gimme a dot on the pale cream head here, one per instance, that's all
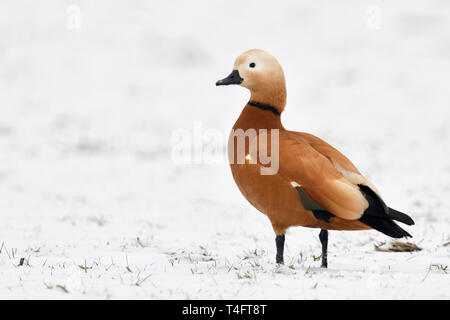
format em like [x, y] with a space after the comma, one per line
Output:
[263, 75]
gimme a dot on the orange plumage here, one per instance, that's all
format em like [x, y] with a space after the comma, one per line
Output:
[314, 185]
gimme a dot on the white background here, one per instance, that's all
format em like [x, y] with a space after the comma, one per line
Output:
[86, 117]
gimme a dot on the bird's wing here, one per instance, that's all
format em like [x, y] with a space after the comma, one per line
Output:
[325, 175]
[339, 161]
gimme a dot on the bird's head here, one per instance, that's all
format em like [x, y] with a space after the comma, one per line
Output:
[261, 73]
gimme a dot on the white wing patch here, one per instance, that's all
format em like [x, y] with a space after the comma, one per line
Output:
[355, 178]
[295, 184]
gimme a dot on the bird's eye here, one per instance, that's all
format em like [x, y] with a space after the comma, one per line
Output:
[252, 65]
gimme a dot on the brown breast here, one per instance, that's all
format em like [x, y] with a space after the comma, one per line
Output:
[273, 195]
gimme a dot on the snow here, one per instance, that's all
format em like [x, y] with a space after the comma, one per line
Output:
[90, 196]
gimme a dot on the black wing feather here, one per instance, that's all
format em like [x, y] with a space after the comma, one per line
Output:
[379, 217]
[400, 216]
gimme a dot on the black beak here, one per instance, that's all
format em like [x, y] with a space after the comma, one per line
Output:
[233, 78]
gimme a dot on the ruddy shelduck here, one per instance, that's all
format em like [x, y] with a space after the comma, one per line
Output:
[313, 184]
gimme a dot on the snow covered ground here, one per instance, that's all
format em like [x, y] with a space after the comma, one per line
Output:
[91, 92]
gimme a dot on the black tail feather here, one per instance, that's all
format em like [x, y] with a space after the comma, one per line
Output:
[400, 216]
[379, 217]
[388, 227]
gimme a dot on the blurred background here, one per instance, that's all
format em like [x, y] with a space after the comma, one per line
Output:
[91, 92]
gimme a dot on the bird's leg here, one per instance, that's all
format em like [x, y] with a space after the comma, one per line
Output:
[323, 236]
[279, 240]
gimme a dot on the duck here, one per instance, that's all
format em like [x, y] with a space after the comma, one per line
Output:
[313, 184]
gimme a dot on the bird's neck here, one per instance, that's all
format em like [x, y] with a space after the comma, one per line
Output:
[272, 95]
[258, 116]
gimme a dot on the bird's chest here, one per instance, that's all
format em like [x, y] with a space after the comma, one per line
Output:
[265, 191]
